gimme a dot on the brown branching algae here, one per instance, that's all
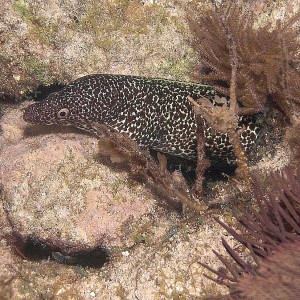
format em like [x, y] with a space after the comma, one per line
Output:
[266, 59]
[121, 149]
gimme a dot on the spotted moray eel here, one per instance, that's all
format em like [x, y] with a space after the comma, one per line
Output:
[153, 112]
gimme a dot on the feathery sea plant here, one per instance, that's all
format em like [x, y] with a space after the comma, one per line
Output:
[267, 56]
[271, 233]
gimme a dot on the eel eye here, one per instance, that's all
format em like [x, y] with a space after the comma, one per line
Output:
[63, 113]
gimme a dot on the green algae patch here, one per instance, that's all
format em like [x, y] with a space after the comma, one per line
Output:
[124, 17]
[177, 67]
[39, 70]
[24, 10]
[109, 22]
[42, 30]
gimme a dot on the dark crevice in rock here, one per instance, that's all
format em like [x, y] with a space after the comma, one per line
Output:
[39, 94]
[7, 99]
[35, 250]
[44, 91]
[216, 172]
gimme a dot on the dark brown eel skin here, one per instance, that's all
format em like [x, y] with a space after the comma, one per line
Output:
[153, 112]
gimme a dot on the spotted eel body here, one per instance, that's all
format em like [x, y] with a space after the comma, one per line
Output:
[153, 112]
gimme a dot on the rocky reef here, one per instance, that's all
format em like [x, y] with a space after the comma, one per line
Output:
[75, 224]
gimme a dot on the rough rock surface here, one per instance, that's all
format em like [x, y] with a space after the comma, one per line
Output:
[57, 41]
[55, 191]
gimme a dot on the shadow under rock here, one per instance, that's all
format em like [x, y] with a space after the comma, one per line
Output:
[35, 250]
